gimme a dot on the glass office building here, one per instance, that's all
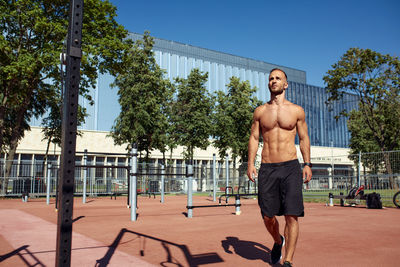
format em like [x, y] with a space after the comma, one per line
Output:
[179, 59]
[323, 128]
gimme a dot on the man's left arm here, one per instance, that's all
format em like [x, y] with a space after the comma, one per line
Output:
[304, 145]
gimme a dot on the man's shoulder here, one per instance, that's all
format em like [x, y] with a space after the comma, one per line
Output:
[293, 105]
[260, 108]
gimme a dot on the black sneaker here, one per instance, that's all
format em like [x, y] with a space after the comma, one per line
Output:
[276, 252]
[287, 264]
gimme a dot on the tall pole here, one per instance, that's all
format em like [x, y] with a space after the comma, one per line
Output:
[227, 171]
[48, 183]
[133, 182]
[189, 175]
[85, 170]
[68, 135]
[359, 170]
[214, 178]
[162, 182]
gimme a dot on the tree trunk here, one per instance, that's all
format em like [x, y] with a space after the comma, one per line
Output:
[17, 132]
[8, 165]
[2, 128]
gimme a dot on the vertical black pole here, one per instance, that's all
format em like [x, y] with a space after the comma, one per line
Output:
[68, 141]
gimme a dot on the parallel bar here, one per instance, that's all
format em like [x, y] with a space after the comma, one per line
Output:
[68, 138]
[213, 206]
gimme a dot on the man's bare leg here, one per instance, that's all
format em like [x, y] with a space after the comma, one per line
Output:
[291, 235]
[272, 226]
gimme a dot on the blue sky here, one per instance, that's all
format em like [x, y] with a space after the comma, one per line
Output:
[307, 35]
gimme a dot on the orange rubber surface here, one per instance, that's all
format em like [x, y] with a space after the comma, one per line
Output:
[164, 236]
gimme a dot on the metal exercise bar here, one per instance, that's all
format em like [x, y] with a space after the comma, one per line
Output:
[68, 136]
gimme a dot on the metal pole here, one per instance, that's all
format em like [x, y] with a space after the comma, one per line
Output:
[133, 182]
[48, 184]
[359, 170]
[214, 178]
[227, 170]
[85, 169]
[162, 182]
[189, 175]
[68, 136]
[92, 179]
[332, 162]
[237, 205]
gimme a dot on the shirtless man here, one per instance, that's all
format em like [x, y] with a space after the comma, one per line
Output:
[280, 179]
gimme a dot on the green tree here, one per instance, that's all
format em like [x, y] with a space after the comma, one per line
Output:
[33, 33]
[144, 97]
[52, 123]
[233, 118]
[375, 78]
[223, 130]
[192, 113]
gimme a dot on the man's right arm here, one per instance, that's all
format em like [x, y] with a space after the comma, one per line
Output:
[253, 146]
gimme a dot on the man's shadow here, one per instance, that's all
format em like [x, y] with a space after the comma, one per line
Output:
[247, 249]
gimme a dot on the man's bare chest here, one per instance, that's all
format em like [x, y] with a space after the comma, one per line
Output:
[278, 119]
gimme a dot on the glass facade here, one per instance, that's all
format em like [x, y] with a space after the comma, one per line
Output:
[179, 59]
[323, 128]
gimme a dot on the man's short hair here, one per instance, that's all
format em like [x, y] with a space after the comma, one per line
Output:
[279, 70]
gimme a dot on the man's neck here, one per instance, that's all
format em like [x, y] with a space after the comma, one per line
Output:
[277, 99]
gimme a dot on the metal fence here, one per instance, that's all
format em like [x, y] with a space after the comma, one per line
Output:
[378, 172]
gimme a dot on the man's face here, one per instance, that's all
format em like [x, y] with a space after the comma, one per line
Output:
[277, 82]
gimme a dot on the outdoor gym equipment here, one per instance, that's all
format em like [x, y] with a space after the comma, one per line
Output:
[190, 206]
[355, 193]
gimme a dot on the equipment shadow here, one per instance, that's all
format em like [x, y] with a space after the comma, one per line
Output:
[246, 249]
[192, 260]
[25, 255]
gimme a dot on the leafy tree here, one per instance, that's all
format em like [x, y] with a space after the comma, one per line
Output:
[223, 131]
[233, 118]
[52, 123]
[144, 96]
[375, 78]
[33, 32]
[192, 113]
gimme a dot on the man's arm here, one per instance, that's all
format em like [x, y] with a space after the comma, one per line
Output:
[304, 144]
[253, 145]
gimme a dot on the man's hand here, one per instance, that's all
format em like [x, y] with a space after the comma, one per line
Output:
[251, 172]
[307, 174]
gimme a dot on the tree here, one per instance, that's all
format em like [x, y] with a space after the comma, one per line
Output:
[233, 118]
[52, 123]
[223, 130]
[375, 78]
[33, 32]
[192, 113]
[144, 96]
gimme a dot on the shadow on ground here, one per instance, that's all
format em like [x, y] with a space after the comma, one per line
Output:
[246, 249]
[192, 259]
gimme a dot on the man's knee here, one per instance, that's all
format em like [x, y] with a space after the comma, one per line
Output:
[290, 219]
[269, 220]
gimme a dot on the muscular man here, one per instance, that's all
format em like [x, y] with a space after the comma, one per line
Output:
[280, 179]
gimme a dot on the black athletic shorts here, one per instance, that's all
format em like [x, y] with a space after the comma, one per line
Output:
[280, 189]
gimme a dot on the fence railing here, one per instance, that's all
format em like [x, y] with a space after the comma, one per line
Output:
[376, 171]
